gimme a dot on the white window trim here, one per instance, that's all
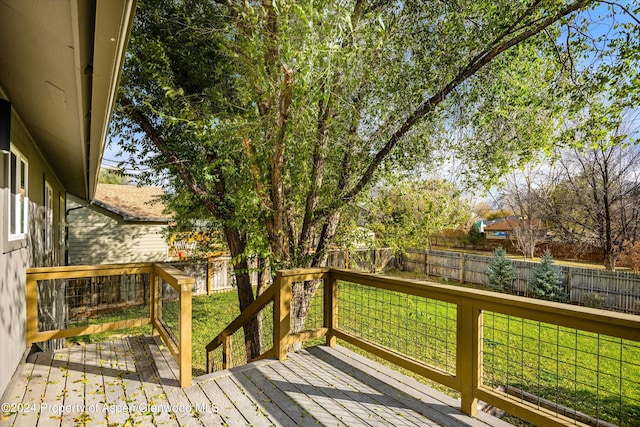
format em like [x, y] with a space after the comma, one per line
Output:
[13, 241]
[48, 217]
[62, 231]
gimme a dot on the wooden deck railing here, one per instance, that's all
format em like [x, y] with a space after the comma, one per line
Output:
[516, 330]
[48, 278]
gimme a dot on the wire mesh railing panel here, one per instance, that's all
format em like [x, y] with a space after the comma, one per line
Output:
[307, 305]
[420, 328]
[574, 373]
[169, 310]
[307, 309]
[76, 302]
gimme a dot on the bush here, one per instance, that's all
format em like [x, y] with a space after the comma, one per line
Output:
[474, 237]
[630, 256]
[501, 272]
[594, 300]
[547, 283]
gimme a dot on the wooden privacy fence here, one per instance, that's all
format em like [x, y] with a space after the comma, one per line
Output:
[610, 290]
[501, 349]
[369, 260]
[110, 291]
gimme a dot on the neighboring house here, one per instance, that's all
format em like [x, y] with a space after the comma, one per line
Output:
[505, 228]
[60, 64]
[124, 223]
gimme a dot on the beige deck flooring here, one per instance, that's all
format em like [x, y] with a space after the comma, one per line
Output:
[133, 381]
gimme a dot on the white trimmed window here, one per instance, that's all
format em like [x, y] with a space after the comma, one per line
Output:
[48, 217]
[61, 224]
[18, 206]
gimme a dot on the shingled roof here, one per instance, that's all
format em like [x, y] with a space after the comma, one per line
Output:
[512, 223]
[132, 203]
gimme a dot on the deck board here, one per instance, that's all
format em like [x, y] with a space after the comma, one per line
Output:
[55, 391]
[288, 410]
[377, 407]
[317, 386]
[226, 409]
[149, 376]
[113, 370]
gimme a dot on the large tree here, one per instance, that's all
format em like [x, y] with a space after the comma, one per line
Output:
[522, 195]
[595, 200]
[276, 114]
[407, 213]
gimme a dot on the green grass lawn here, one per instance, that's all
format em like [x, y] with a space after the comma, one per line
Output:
[573, 368]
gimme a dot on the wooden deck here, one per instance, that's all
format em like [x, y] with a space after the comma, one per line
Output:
[132, 380]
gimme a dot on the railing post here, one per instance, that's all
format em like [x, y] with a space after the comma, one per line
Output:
[155, 300]
[32, 311]
[185, 335]
[330, 308]
[469, 355]
[227, 350]
[282, 326]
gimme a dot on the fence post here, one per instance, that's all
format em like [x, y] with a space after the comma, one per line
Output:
[374, 260]
[346, 259]
[209, 273]
[569, 282]
[185, 335]
[462, 265]
[469, 355]
[330, 308]
[426, 262]
[282, 305]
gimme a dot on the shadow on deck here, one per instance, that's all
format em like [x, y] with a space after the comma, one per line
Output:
[135, 380]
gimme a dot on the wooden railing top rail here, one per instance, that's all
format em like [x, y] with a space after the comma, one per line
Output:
[265, 298]
[77, 271]
[620, 325]
[173, 276]
[301, 274]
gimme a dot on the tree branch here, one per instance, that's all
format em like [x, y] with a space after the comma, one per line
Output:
[138, 117]
[430, 104]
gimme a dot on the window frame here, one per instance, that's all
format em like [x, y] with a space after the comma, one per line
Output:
[48, 217]
[16, 209]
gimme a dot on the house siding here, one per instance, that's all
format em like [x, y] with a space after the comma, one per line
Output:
[14, 260]
[98, 236]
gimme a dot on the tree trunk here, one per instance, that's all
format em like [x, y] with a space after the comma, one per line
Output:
[251, 329]
[303, 292]
[609, 261]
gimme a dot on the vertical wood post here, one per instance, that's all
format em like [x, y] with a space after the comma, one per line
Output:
[469, 355]
[227, 349]
[155, 301]
[209, 273]
[569, 282]
[282, 326]
[346, 259]
[426, 262]
[461, 266]
[330, 308]
[185, 335]
[32, 311]
[373, 270]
